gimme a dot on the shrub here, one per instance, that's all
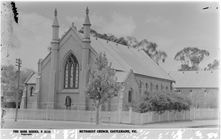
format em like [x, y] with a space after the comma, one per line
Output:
[161, 101]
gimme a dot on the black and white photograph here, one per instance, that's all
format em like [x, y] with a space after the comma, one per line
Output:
[110, 69]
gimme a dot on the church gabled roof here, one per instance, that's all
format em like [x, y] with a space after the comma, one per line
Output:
[31, 79]
[195, 79]
[125, 58]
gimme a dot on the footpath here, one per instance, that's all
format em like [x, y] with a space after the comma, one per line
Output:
[41, 124]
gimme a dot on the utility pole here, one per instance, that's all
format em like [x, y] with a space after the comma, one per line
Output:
[18, 63]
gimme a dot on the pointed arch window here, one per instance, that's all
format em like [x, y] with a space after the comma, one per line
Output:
[146, 86]
[140, 87]
[130, 95]
[32, 91]
[71, 73]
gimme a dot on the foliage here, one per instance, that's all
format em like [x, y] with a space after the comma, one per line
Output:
[102, 84]
[212, 66]
[205, 98]
[9, 80]
[190, 58]
[161, 101]
[149, 48]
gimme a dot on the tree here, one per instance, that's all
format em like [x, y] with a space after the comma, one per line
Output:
[102, 85]
[212, 66]
[150, 48]
[190, 58]
[9, 80]
[205, 98]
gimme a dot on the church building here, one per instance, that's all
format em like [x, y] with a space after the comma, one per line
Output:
[63, 74]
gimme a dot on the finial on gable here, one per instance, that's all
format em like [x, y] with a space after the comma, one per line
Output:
[55, 12]
[87, 11]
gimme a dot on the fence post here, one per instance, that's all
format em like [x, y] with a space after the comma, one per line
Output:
[141, 115]
[194, 114]
[64, 116]
[151, 116]
[130, 115]
[119, 112]
[78, 113]
[35, 114]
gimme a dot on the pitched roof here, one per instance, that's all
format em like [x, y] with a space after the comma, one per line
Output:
[195, 79]
[121, 76]
[125, 58]
[31, 79]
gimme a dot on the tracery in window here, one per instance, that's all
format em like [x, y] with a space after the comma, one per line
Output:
[71, 73]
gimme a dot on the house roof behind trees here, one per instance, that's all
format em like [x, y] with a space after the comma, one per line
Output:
[195, 79]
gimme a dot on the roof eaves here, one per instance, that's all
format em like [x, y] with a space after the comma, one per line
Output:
[45, 57]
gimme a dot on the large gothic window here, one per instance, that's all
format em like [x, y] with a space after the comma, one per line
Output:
[71, 73]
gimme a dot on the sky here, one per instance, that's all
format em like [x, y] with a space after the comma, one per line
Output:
[171, 25]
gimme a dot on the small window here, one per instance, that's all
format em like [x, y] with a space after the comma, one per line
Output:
[32, 91]
[156, 87]
[68, 102]
[146, 86]
[140, 87]
[161, 87]
[151, 86]
[166, 87]
[130, 95]
[191, 90]
[171, 86]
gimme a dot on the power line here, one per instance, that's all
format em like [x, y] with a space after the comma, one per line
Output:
[33, 32]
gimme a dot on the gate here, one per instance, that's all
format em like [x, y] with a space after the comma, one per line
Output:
[125, 117]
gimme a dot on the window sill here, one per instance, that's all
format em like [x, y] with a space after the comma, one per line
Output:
[69, 91]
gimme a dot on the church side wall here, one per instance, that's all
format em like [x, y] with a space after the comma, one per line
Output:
[30, 99]
[155, 82]
[133, 81]
[130, 83]
[44, 85]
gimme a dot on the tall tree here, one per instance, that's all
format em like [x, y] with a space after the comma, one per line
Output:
[9, 80]
[102, 84]
[212, 66]
[190, 58]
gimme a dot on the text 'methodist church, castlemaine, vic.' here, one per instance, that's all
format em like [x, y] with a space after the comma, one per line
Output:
[63, 74]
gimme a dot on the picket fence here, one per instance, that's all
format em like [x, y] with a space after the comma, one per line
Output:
[60, 115]
[169, 116]
[115, 116]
